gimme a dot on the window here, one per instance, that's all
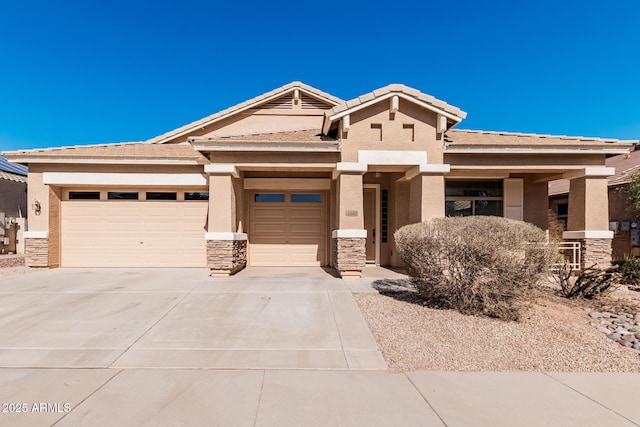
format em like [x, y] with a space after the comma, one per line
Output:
[122, 195]
[269, 197]
[84, 195]
[155, 195]
[196, 195]
[466, 198]
[306, 198]
[563, 211]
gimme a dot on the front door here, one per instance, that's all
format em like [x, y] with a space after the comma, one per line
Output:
[369, 206]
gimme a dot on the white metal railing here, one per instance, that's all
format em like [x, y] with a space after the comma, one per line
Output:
[572, 256]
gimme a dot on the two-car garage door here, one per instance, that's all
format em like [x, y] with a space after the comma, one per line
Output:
[133, 233]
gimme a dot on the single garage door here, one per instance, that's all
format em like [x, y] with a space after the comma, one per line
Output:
[133, 233]
[287, 229]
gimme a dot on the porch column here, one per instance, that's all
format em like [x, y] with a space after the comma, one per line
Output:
[426, 196]
[226, 248]
[36, 239]
[349, 256]
[588, 219]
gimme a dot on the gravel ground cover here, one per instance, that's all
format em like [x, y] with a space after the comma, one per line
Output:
[555, 334]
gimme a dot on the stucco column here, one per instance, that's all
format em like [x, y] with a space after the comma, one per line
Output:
[36, 238]
[588, 219]
[536, 202]
[349, 239]
[426, 195]
[226, 248]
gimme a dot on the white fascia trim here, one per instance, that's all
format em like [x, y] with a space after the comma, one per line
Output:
[392, 157]
[104, 161]
[35, 235]
[590, 173]
[534, 150]
[588, 234]
[389, 95]
[221, 169]
[349, 234]
[269, 148]
[435, 169]
[98, 178]
[225, 236]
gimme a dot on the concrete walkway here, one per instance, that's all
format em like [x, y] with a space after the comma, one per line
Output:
[197, 397]
[264, 348]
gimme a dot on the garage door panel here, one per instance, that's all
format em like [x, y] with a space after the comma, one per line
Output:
[269, 213]
[269, 228]
[314, 228]
[133, 234]
[315, 213]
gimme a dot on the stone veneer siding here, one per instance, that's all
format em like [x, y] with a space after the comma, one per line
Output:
[594, 251]
[349, 254]
[36, 252]
[226, 256]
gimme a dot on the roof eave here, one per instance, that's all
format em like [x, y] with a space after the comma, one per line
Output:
[501, 149]
[288, 148]
[108, 161]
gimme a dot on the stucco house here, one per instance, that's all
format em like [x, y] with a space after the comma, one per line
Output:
[299, 177]
[624, 227]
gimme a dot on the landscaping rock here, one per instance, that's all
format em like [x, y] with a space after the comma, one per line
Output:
[604, 330]
[614, 337]
[625, 343]
[595, 315]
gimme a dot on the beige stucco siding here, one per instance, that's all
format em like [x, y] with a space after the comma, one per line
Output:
[396, 130]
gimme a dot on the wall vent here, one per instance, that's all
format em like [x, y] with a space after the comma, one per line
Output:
[284, 103]
[309, 103]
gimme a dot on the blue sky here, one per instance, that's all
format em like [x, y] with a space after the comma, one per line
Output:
[95, 72]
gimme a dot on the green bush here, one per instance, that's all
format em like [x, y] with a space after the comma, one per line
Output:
[476, 265]
[629, 270]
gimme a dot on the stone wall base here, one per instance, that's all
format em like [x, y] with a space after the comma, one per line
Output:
[226, 257]
[594, 251]
[349, 256]
[36, 252]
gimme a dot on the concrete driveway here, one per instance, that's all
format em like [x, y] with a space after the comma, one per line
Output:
[181, 318]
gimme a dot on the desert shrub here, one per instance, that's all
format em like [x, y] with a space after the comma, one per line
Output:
[629, 269]
[592, 282]
[476, 265]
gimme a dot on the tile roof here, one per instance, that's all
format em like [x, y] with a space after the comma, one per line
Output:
[301, 140]
[397, 88]
[13, 177]
[12, 167]
[309, 135]
[121, 151]
[243, 106]
[625, 165]
[459, 138]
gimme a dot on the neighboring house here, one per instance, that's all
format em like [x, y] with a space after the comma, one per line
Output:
[13, 205]
[620, 220]
[298, 177]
